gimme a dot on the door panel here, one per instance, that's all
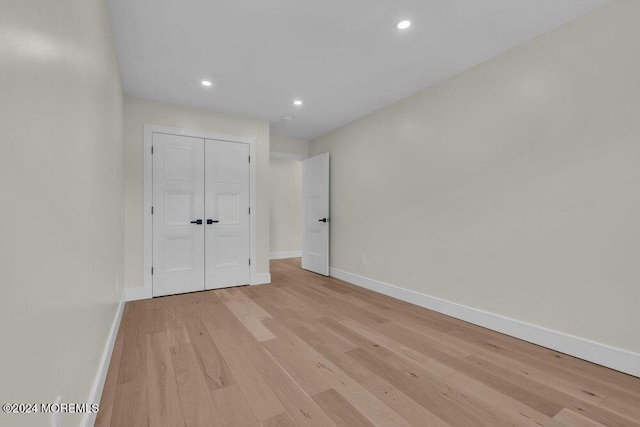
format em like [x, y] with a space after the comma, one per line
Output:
[178, 160]
[227, 202]
[227, 249]
[228, 208]
[226, 164]
[178, 253]
[315, 194]
[178, 205]
[178, 198]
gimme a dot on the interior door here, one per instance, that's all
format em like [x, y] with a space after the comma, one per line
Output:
[178, 211]
[315, 195]
[227, 214]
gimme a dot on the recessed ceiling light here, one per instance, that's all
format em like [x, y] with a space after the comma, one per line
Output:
[206, 83]
[297, 103]
[403, 25]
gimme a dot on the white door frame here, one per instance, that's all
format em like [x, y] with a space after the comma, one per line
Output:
[146, 291]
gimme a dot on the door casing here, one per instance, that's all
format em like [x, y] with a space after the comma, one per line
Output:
[146, 291]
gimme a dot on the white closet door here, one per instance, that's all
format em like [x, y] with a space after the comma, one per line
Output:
[178, 202]
[227, 214]
[315, 198]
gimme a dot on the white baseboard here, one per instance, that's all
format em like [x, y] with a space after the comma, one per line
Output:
[602, 354]
[134, 294]
[89, 419]
[261, 279]
[284, 255]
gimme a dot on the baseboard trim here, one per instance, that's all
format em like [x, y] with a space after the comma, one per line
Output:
[135, 294]
[602, 354]
[285, 255]
[261, 279]
[89, 419]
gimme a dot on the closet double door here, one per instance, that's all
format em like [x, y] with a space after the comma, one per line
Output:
[200, 214]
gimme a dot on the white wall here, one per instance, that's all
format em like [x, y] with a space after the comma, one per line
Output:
[139, 112]
[61, 184]
[285, 202]
[512, 188]
[285, 207]
[284, 144]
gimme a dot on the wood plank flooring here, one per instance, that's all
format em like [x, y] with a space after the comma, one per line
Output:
[308, 350]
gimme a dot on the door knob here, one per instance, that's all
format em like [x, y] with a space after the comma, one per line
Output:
[324, 220]
[212, 221]
[197, 221]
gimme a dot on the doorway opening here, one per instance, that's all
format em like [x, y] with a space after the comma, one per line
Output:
[299, 210]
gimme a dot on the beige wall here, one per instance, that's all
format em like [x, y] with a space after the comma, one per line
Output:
[513, 187]
[285, 205]
[139, 112]
[284, 144]
[61, 181]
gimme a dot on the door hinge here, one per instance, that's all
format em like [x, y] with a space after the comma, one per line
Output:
[152, 149]
[249, 210]
[152, 271]
[249, 261]
[151, 210]
[249, 159]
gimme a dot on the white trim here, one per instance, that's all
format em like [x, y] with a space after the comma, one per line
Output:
[261, 279]
[147, 291]
[284, 255]
[602, 354]
[287, 156]
[134, 294]
[95, 395]
[147, 282]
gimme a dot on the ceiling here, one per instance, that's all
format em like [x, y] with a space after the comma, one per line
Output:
[343, 58]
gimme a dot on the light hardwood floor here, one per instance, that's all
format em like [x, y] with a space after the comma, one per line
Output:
[311, 350]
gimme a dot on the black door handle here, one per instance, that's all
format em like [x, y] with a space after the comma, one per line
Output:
[212, 221]
[324, 220]
[197, 221]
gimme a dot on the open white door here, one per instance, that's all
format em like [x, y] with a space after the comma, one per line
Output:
[315, 196]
